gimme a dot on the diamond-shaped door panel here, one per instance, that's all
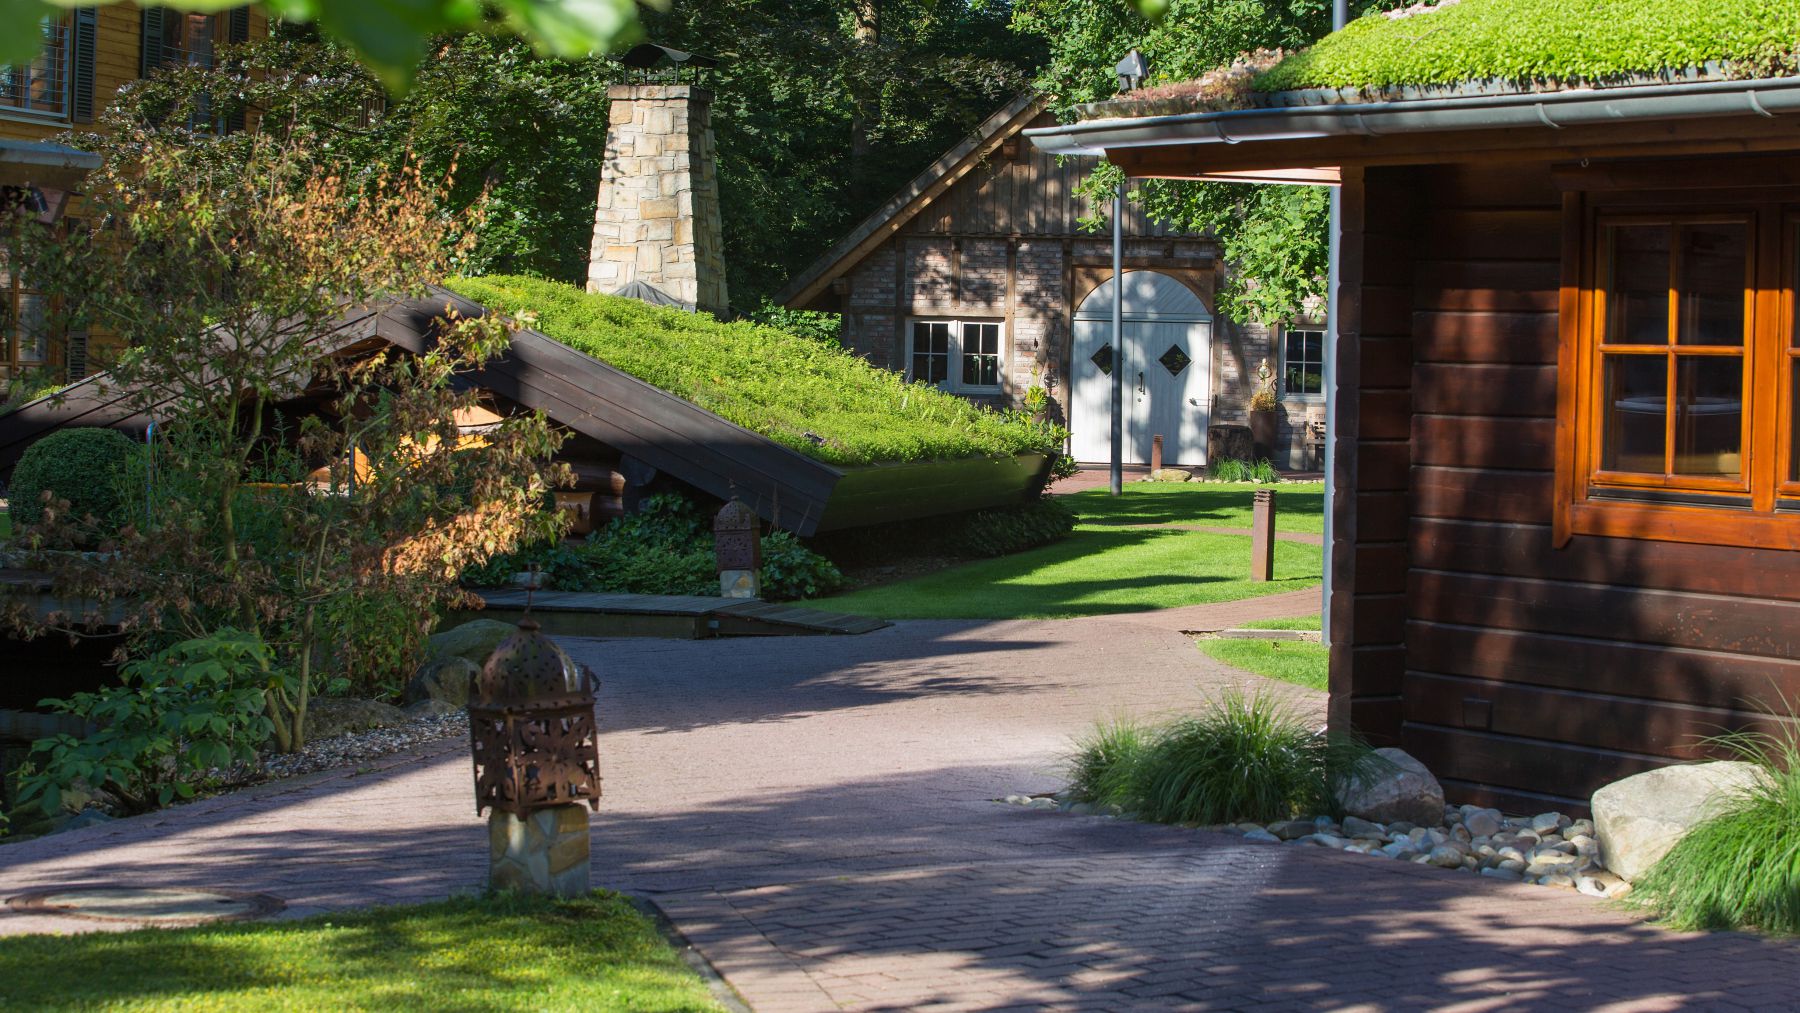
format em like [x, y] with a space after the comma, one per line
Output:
[1104, 359]
[1174, 360]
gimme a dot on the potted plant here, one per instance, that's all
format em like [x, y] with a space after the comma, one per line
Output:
[1265, 413]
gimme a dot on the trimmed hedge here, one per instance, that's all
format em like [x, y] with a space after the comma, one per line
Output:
[811, 397]
[84, 466]
[1544, 40]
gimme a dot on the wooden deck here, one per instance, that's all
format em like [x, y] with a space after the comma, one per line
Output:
[694, 617]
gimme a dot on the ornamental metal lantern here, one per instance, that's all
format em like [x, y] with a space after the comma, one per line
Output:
[531, 728]
[737, 543]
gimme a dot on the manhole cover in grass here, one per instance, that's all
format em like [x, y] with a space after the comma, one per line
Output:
[147, 905]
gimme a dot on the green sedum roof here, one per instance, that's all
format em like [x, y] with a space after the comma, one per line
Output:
[1530, 41]
[811, 397]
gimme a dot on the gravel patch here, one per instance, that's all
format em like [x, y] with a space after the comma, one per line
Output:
[355, 747]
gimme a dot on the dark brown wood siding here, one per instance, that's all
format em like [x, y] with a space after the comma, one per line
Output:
[1532, 675]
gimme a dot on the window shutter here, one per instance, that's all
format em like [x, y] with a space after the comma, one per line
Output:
[76, 355]
[152, 49]
[81, 64]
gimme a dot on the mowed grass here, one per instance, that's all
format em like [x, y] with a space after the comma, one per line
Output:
[1094, 571]
[1299, 506]
[508, 953]
[1126, 555]
[1297, 661]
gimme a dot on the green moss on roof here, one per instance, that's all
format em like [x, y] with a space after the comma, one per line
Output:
[786, 387]
[1529, 41]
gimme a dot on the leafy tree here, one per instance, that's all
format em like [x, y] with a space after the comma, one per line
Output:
[293, 466]
[389, 38]
[1273, 237]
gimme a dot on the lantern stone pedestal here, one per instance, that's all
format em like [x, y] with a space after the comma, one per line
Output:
[737, 542]
[543, 853]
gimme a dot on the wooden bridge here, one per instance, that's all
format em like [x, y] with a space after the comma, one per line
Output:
[693, 617]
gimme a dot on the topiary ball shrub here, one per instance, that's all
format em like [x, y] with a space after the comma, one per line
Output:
[87, 467]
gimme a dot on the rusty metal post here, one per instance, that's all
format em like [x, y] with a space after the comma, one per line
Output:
[1262, 536]
[1156, 453]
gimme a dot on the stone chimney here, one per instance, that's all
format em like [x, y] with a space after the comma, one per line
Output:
[657, 223]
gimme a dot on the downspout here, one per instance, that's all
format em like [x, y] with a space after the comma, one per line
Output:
[1339, 15]
[1118, 341]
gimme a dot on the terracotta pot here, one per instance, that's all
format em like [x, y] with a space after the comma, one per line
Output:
[1264, 425]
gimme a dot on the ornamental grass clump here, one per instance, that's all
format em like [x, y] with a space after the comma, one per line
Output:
[1739, 868]
[1247, 757]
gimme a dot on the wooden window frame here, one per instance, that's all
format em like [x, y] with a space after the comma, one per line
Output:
[60, 40]
[1744, 512]
[952, 381]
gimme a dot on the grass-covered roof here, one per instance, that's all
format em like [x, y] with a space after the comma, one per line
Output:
[814, 398]
[1528, 41]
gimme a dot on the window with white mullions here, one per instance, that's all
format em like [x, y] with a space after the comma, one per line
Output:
[1303, 362]
[962, 356]
[981, 355]
[40, 87]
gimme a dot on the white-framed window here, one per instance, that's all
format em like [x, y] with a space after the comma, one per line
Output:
[42, 86]
[966, 356]
[1303, 362]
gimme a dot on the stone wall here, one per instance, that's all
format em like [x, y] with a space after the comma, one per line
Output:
[657, 219]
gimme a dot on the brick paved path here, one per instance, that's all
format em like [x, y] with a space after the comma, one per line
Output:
[816, 816]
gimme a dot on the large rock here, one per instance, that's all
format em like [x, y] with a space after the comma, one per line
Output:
[1641, 817]
[444, 680]
[473, 640]
[328, 716]
[1398, 789]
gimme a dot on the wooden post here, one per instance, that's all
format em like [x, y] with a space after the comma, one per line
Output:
[1262, 536]
[1156, 453]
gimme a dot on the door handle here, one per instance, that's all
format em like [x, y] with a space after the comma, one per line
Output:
[1140, 381]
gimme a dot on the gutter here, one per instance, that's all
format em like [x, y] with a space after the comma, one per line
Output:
[1769, 97]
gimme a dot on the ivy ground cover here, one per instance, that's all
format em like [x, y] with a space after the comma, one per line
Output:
[804, 394]
[505, 953]
[1528, 41]
[1132, 554]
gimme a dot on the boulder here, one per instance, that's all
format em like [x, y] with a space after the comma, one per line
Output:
[1171, 475]
[328, 716]
[474, 640]
[422, 709]
[1398, 789]
[1641, 817]
[444, 680]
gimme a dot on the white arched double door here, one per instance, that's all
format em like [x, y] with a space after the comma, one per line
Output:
[1167, 359]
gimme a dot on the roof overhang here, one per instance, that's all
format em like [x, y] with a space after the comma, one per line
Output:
[1235, 143]
[915, 196]
[41, 163]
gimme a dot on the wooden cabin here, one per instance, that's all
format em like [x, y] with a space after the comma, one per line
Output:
[1565, 485]
[978, 276]
[88, 54]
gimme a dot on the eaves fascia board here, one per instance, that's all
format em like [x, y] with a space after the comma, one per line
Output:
[1768, 97]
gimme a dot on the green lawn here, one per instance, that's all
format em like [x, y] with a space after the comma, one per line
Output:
[1292, 623]
[1297, 661]
[1299, 506]
[597, 953]
[1095, 571]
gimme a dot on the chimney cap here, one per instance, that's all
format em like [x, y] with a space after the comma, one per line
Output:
[650, 56]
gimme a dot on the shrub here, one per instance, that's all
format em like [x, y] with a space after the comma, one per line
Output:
[666, 547]
[1105, 760]
[1740, 868]
[1245, 758]
[87, 467]
[1006, 530]
[1230, 469]
[173, 717]
[376, 640]
[791, 570]
[811, 397]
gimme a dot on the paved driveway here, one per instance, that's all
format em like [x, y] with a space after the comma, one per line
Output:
[815, 815]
